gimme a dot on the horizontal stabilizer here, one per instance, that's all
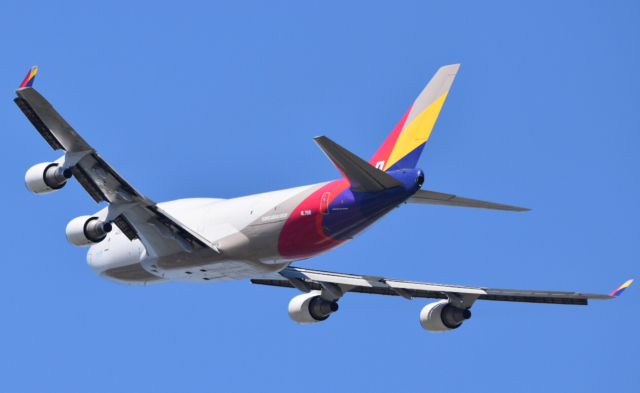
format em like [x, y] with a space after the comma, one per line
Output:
[437, 198]
[363, 176]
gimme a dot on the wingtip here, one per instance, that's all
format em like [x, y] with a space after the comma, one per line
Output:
[618, 291]
[28, 80]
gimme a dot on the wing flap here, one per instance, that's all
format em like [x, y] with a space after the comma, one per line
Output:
[38, 124]
[88, 184]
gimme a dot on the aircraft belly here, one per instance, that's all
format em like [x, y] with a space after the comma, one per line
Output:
[223, 270]
[115, 251]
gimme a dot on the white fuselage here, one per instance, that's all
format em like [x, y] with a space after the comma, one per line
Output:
[230, 224]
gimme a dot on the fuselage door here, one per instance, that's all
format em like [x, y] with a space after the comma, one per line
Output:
[324, 203]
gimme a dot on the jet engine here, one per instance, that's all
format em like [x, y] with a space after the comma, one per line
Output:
[441, 316]
[87, 230]
[311, 308]
[46, 177]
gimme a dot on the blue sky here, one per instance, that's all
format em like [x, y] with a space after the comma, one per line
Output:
[212, 99]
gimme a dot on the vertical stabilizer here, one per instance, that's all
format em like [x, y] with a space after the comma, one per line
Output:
[403, 146]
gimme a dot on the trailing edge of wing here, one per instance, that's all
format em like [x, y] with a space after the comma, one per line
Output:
[437, 198]
[363, 176]
[313, 279]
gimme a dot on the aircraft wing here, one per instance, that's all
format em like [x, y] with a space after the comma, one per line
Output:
[340, 283]
[136, 215]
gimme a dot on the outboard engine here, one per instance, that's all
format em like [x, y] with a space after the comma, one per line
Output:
[46, 177]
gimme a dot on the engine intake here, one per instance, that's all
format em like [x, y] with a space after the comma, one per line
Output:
[311, 308]
[46, 177]
[442, 316]
[87, 230]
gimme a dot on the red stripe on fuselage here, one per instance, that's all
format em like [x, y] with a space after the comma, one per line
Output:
[302, 235]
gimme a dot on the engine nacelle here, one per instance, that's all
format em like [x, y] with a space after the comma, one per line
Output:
[311, 308]
[87, 230]
[442, 316]
[46, 177]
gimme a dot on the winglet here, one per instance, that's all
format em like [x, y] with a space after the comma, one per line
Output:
[28, 80]
[621, 288]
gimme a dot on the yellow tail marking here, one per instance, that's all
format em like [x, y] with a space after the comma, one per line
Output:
[417, 132]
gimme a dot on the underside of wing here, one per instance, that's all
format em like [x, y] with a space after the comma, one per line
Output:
[322, 290]
[314, 279]
[137, 216]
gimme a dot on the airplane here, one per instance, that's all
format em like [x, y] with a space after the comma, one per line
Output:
[135, 240]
